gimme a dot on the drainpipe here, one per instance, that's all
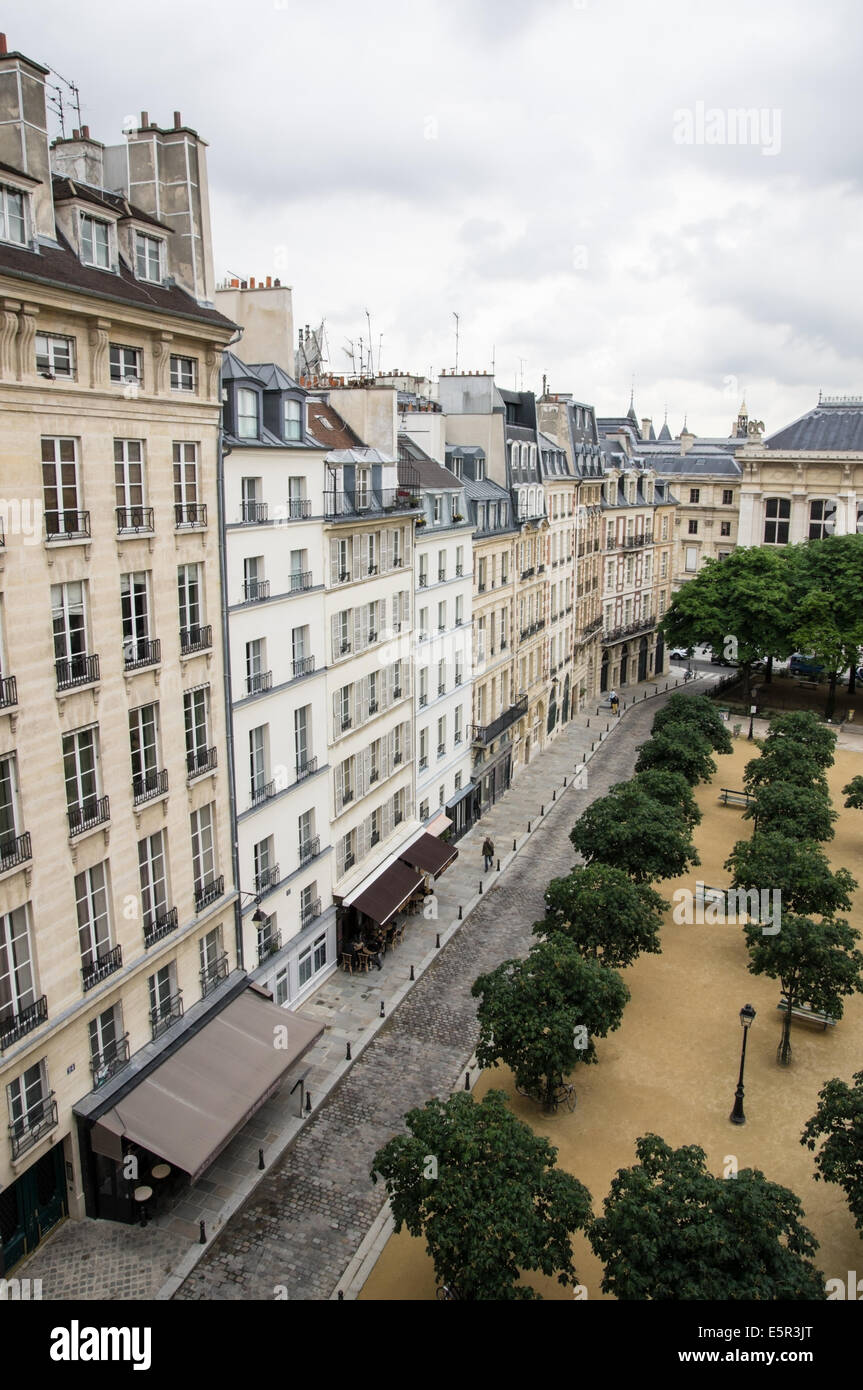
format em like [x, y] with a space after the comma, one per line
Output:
[224, 451]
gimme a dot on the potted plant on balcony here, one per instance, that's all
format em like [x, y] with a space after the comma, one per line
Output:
[457, 516]
[421, 521]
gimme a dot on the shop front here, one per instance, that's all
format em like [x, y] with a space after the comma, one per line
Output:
[463, 810]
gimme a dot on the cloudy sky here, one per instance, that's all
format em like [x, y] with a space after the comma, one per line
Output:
[560, 173]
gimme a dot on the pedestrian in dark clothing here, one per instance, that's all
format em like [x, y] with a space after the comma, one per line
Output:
[488, 852]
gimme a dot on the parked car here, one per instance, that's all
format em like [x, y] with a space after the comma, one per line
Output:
[803, 665]
[718, 659]
[679, 654]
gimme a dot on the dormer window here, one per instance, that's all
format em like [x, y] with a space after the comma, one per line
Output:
[479, 470]
[12, 221]
[148, 257]
[95, 242]
[247, 414]
[293, 420]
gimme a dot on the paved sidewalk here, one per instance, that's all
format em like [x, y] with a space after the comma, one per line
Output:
[419, 1050]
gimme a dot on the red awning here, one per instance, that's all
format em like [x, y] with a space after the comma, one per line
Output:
[390, 891]
[430, 854]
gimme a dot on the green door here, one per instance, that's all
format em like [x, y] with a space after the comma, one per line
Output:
[31, 1207]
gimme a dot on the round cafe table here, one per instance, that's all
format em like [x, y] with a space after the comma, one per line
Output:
[142, 1196]
[160, 1171]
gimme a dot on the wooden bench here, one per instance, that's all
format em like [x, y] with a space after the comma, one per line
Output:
[808, 685]
[810, 1015]
[732, 798]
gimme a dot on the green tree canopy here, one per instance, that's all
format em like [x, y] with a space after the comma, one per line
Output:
[799, 870]
[678, 748]
[539, 1016]
[631, 830]
[604, 914]
[672, 789]
[800, 812]
[853, 793]
[700, 711]
[784, 762]
[671, 1230]
[839, 1122]
[826, 580]
[485, 1192]
[804, 731]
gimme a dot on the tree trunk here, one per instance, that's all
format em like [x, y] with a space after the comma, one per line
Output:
[747, 682]
[852, 679]
[831, 697]
[783, 1054]
[768, 676]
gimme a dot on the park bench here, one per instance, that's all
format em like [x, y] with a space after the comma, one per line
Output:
[808, 685]
[803, 1011]
[732, 798]
[705, 894]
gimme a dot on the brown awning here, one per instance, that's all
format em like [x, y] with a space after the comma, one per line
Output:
[191, 1106]
[430, 854]
[390, 891]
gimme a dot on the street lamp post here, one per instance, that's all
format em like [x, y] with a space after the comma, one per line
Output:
[753, 710]
[737, 1117]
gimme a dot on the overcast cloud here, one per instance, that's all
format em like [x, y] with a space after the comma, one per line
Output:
[515, 161]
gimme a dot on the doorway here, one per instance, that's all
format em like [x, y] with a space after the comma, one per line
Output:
[31, 1207]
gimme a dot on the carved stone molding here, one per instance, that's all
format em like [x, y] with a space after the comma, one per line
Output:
[98, 340]
[161, 357]
[8, 333]
[213, 362]
[26, 341]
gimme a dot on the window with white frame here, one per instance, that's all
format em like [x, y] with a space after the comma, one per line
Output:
[55, 355]
[184, 373]
[196, 718]
[247, 414]
[822, 518]
[202, 825]
[95, 242]
[144, 749]
[293, 419]
[148, 257]
[777, 520]
[94, 916]
[17, 967]
[153, 877]
[126, 364]
[81, 773]
[13, 220]
[30, 1109]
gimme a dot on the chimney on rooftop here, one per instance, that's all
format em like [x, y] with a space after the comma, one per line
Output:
[24, 132]
[178, 120]
[145, 119]
[3, 48]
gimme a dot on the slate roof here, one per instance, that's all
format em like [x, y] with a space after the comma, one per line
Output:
[421, 470]
[485, 491]
[665, 432]
[677, 465]
[273, 377]
[65, 188]
[829, 427]
[328, 427]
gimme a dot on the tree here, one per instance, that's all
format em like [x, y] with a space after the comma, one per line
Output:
[853, 793]
[699, 711]
[486, 1194]
[805, 731]
[672, 789]
[629, 829]
[540, 1015]
[785, 762]
[800, 812]
[799, 871]
[839, 1117]
[678, 748]
[671, 1230]
[816, 963]
[604, 914]
[826, 580]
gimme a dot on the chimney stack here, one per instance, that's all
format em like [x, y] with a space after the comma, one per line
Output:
[24, 131]
[3, 49]
[178, 120]
[145, 119]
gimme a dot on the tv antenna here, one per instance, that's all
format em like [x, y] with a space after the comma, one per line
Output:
[56, 100]
[455, 316]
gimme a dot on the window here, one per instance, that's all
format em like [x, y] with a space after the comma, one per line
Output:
[302, 740]
[258, 762]
[441, 736]
[247, 414]
[60, 489]
[693, 528]
[441, 617]
[17, 971]
[777, 520]
[165, 1001]
[80, 757]
[12, 222]
[202, 825]
[153, 876]
[144, 749]
[196, 715]
[70, 629]
[94, 920]
[457, 727]
[504, 567]
[725, 528]
[108, 1045]
[126, 364]
[190, 599]
[135, 606]
[293, 420]
[727, 496]
[280, 987]
[822, 519]
[129, 494]
[31, 1112]
[437, 509]
[306, 828]
[187, 510]
[424, 810]
[347, 851]
[694, 494]
[184, 373]
[424, 749]
[148, 257]
[95, 242]
[55, 355]
[691, 558]
[214, 960]
[441, 566]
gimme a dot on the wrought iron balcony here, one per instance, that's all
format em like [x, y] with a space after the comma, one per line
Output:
[424, 762]
[310, 912]
[76, 670]
[269, 942]
[106, 1064]
[268, 878]
[265, 792]
[161, 926]
[301, 580]
[67, 526]
[309, 850]
[254, 512]
[486, 733]
[212, 975]
[528, 573]
[149, 785]
[27, 1131]
[14, 850]
[423, 581]
[254, 590]
[206, 893]
[134, 521]
[8, 691]
[200, 761]
[362, 501]
[614, 634]
[190, 514]
[195, 639]
[141, 652]
[93, 811]
[304, 666]
[16, 1026]
[299, 509]
[306, 767]
[259, 683]
[633, 542]
[167, 1013]
[103, 966]
[424, 699]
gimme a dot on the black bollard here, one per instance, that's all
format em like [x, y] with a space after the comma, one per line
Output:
[554, 795]
[480, 885]
[348, 1057]
[541, 812]
[514, 846]
[437, 942]
[341, 1295]
[413, 976]
[460, 912]
[383, 1014]
[467, 1080]
[261, 1152]
[528, 827]
[564, 781]
[308, 1102]
[588, 723]
[202, 1239]
[498, 866]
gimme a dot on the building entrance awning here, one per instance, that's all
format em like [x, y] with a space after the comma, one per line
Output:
[430, 854]
[389, 891]
[187, 1109]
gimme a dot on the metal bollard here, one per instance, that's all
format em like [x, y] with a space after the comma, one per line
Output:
[541, 812]
[413, 976]
[308, 1102]
[460, 912]
[554, 795]
[564, 781]
[514, 846]
[437, 942]
[528, 827]
[467, 1080]
[261, 1152]
[202, 1239]
[498, 866]
[383, 1011]
[348, 1057]
[480, 885]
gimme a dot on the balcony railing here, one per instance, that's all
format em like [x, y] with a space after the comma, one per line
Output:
[487, 733]
[212, 975]
[306, 767]
[95, 810]
[423, 581]
[359, 502]
[200, 761]
[614, 634]
[103, 966]
[195, 639]
[424, 762]
[259, 683]
[206, 893]
[253, 512]
[76, 670]
[19, 1025]
[304, 666]
[424, 699]
[160, 926]
[299, 508]
[67, 526]
[310, 912]
[167, 1013]
[106, 1064]
[267, 879]
[265, 792]
[633, 542]
[190, 514]
[269, 942]
[14, 850]
[27, 1131]
[309, 850]
[301, 580]
[254, 590]
[528, 573]
[141, 652]
[8, 691]
[149, 785]
[134, 521]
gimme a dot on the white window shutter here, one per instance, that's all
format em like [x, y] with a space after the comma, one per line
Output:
[340, 787]
[387, 818]
[357, 630]
[334, 562]
[335, 636]
[356, 543]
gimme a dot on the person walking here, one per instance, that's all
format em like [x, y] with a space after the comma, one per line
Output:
[613, 701]
[488, 852]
